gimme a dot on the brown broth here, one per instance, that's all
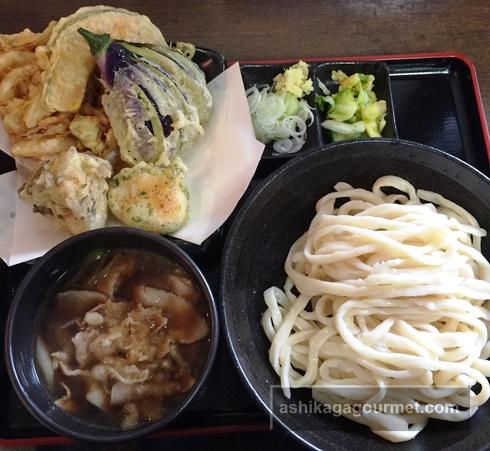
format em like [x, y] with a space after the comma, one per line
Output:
[161, 345]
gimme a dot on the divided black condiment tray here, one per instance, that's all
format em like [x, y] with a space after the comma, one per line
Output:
[260, 74]
[432, 99]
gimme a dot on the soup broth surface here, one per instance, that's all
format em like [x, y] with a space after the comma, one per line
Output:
[123, 338]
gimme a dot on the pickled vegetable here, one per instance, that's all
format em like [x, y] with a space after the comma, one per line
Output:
[354, 111]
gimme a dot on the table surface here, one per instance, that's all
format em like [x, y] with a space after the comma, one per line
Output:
[257, 29]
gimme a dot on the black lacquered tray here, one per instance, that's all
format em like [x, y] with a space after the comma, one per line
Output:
[435, 102]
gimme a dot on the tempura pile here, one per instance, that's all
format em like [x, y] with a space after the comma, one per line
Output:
[98, 101]
[50, 99]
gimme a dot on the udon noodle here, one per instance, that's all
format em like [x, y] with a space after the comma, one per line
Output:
[383, 305]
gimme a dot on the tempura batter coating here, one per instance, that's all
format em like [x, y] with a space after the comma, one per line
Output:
[150, 198]
[72, 190]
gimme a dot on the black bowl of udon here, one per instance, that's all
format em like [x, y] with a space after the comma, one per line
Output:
[379, 312]
[111, 335]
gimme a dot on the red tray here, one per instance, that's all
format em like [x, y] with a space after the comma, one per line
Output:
[225, 407]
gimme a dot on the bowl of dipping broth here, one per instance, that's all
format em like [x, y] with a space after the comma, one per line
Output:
[111, 335]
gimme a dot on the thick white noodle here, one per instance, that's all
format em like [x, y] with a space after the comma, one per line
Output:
[385, 292]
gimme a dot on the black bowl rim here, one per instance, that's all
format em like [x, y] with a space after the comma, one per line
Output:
[482, 440]
[116, 435]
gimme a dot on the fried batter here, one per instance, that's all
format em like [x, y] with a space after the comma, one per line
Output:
[71, 189]
[150, 198]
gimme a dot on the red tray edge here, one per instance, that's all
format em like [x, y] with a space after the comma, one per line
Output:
[261, 426]
[164, 433]
[404, 56]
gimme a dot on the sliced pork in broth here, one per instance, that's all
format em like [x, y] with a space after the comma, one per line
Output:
[126, 339]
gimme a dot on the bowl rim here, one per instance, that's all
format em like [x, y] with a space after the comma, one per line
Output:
[111, 435]
[228, 250]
